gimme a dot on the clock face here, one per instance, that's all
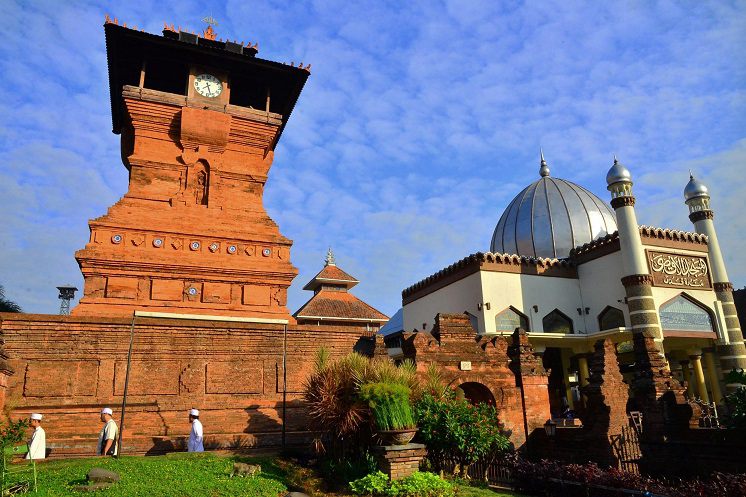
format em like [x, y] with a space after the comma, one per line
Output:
[208, 85]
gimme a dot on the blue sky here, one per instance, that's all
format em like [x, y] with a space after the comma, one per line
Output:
[419, 123]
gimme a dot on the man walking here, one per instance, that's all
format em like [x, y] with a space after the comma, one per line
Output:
[37, 446]
[107, 439]
[195, 436]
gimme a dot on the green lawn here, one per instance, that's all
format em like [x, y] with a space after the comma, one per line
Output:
[198, 475]
[177, 475]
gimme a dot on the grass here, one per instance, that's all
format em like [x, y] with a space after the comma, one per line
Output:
[202, 475]
[177, 475]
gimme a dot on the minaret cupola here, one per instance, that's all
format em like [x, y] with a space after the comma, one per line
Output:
[619, 181]
[696, 196]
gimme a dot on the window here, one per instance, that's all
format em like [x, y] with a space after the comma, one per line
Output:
[682, 314]
[509, 320]
[556, 322]
[610, 318]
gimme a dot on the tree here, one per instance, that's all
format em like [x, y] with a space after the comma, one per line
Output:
[7, 305]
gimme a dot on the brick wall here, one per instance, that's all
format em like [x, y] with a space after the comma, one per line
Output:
[69, 367]
[465, 359]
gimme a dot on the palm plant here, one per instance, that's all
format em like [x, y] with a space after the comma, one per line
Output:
[332, 394]
[7, 305]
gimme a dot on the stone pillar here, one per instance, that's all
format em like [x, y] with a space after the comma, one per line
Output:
[605, 414]
[697, 198]
[687, 378]
[584, 374]
[398, 461]
[642, 310]
[699, 377]
[565, 354]
[712, 373]
[533, 381]
[660, 397]
[733, 354]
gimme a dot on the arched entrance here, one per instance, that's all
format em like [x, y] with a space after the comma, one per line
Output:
[475, 393]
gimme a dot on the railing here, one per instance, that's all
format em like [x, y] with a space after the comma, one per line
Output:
[709, 417]
[495, 472]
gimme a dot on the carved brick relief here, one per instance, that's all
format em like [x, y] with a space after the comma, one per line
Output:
[236, 377]
[61, 379]
[142, 373]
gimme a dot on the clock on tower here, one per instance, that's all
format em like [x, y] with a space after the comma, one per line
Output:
[199, 119]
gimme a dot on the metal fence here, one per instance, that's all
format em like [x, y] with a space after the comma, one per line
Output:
[495, 473]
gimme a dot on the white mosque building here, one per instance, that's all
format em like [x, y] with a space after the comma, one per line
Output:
[570, 270]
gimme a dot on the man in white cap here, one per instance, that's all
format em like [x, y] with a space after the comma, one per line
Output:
[107, 439]
[37, 446]
[195, 436]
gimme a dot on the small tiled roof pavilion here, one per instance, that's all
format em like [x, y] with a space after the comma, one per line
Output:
[332, 304]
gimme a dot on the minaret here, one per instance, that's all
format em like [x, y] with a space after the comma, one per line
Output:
[732, 355]
[637, 281]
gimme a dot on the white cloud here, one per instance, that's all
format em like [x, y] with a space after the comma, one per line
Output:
[418, 125]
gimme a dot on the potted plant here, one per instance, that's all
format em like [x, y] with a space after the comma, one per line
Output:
[389, 405]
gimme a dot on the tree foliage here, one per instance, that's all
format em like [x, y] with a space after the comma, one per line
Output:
[7, 305]
[453, 427]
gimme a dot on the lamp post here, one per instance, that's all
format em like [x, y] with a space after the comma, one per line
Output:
[67, 293]
[550, 427]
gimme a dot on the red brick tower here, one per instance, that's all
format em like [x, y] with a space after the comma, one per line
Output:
[199, 120]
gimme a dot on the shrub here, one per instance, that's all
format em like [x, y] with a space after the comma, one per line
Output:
[332, 393]
[372, 484]
[736, 401]
[13, 433]
[389, 405]
[534, 479]
[416, 485]
[450, 426]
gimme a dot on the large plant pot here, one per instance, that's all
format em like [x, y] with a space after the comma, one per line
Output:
[397, 437]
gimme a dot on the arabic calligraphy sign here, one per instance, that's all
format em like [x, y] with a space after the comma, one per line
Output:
[679, 271]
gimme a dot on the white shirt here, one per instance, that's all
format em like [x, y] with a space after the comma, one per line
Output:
[108, 432]
[37, 448]
[195, 437]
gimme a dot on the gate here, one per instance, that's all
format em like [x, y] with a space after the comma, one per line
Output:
[627, 448]
[495, 473]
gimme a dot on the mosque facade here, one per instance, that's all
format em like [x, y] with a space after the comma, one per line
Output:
[569, 270]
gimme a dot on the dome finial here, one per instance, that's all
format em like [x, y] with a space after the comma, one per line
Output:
[544, 169]
[691, 176]
[330, 258]
[615, 161]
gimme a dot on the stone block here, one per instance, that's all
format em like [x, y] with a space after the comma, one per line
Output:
[216, 293]
[121, 287]
[167, 290]
[142, 375]
[61, 378]
[102, 475]
[235, 377]
[256, 295]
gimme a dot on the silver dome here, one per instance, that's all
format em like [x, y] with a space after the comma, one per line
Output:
[695, 189]
[617, 174]
[549, 218]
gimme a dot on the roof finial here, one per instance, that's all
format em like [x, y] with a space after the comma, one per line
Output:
[691, 176]
[615, 161]
[330, 258]
[544, 169]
